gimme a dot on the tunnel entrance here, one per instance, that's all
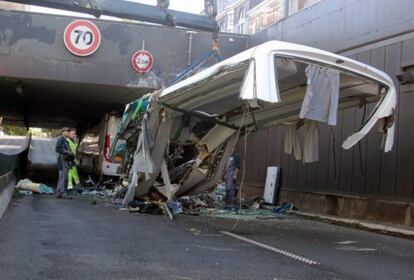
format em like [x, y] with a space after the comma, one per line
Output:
[49, 106]
[53, 104]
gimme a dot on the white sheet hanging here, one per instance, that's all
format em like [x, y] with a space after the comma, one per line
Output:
[310, 142]
[322, 93]
[143, 162]
[292, 143]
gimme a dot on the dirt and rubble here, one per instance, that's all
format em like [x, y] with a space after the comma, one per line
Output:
[207, 204]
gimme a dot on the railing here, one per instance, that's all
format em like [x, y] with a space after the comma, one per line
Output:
[17, 161]
[6, 180]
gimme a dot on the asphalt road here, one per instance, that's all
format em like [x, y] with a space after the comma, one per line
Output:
[42, 237]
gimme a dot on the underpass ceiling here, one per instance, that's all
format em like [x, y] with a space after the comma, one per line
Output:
[54, 103]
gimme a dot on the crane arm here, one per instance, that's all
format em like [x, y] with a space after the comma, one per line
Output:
[135, 11]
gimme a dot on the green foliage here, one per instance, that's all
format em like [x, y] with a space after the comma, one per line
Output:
[45, 132]
[14, 130]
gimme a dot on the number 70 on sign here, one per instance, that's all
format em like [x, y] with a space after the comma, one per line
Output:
[82, 37]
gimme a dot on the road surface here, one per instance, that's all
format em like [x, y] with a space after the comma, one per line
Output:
[42, 237]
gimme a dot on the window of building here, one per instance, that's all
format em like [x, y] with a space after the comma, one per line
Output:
[230, 21]
[297, 5]
[242, 20]
[222, 27]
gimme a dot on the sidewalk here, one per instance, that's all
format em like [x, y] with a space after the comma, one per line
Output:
[388, 229]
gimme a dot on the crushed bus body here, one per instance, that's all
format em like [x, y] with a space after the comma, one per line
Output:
[180, 138]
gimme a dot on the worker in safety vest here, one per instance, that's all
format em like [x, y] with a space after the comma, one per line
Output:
[65, 157]
[73, 176]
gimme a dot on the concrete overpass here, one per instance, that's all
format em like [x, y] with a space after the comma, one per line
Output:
[43, 85]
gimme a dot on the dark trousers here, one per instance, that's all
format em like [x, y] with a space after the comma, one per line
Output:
[231, 191]
[63, 179]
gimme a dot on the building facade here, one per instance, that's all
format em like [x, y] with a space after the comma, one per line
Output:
[13, 6]
[232, 15]
[252, 16]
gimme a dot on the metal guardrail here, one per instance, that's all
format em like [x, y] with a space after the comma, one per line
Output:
[6, 180]
[16, 162]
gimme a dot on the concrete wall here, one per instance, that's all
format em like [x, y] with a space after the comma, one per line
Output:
[338, 25]
[378, 33]
[78, 91]
[31, 46]
[7, 183]
[13, 154]
[353, 207]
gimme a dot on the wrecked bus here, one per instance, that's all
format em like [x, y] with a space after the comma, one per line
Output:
[95, 148]
[178, 139]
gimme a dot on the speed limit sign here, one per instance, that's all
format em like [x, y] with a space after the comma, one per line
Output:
[82, 37]
[142, 61]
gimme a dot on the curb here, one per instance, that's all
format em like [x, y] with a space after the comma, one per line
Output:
[7, 183]
[5, 199]
[378, 228]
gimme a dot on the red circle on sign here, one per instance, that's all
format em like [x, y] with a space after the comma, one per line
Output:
[78, 27]
[142, 61]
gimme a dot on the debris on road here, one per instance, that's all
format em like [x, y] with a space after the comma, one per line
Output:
[195, 231]
[27, 185]
[94, 193]
[285, 207]
[204, 204]
[24, 192]
[175, 207]
[96, 190]
[209, 203]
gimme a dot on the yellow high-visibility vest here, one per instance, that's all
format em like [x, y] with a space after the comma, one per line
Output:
[72, 146]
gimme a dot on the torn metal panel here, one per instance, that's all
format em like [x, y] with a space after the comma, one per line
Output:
[129, 196]
[158, 151]
[208, 184]
[169, 192]
[197, 176]
[143, 162]
[216, 136]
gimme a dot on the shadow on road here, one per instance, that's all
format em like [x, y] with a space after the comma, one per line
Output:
[43, 173]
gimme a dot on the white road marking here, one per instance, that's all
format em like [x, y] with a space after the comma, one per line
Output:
[211, 235]
[273, 249]
[345, 242]
[356, 249]
[214, 248]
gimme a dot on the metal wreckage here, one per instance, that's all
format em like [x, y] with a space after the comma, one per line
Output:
[178, 139]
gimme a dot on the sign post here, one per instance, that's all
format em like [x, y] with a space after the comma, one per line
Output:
[82, 37]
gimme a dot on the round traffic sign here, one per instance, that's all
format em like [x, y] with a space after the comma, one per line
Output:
[82, 37]
[142, 61]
